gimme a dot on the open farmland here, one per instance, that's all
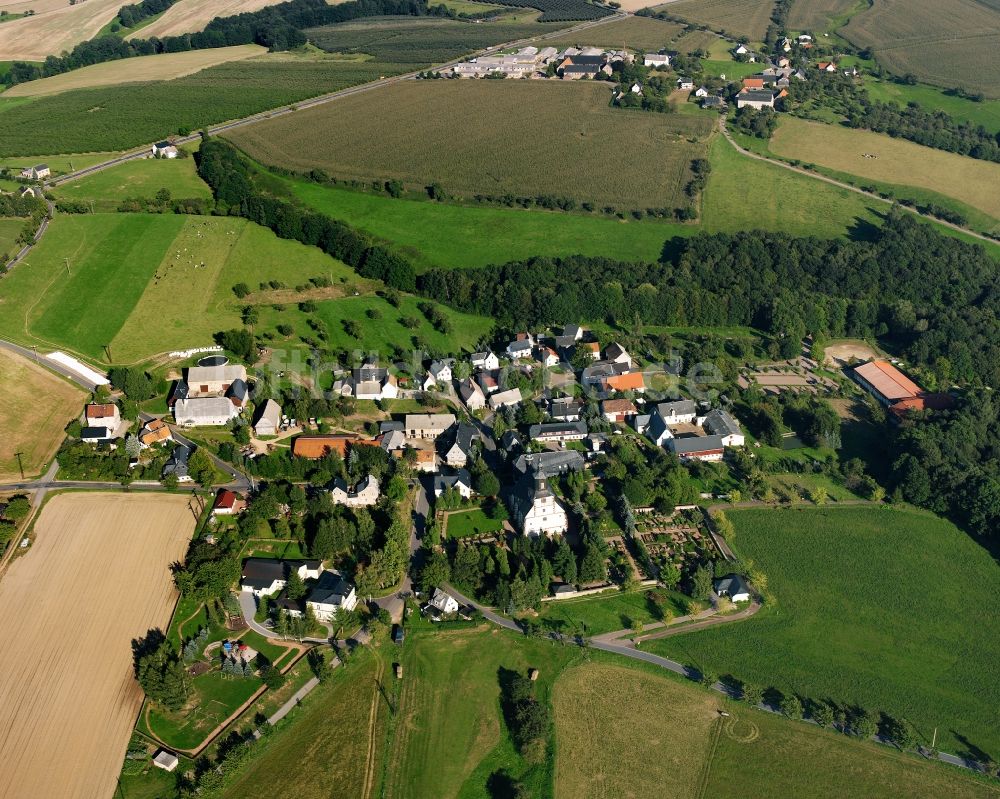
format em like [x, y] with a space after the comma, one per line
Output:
[943, 42]
[822, 15]
[422, 41]
[110, 554]
[191, 16]
[517, 137]
[733, 17]
[140, 178]
[929, 655]
[29, 427]
[10, 229]
[119, 117]
[134, 70]
[54, 29]
[644, 33]
[975, 183]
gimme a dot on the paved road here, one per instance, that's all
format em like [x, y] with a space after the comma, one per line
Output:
[847, 186]
[51, 365]
[326, 98]
[248, 606]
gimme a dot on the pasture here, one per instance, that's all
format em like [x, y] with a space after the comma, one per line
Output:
[732, 17]
[119, 117]
[970, 181]
[10, 229]
[59, 164]
[517, 137]
[140, 178]
[604, 613]
[875, 604]
[483, 235]
[423, 41]
[134, 70]
[822, 15]
[29, 427]
[330, 741]
[644, 33]
[111, 554]
[930, 98]
[943, 42]
[191, 16]
[53, 28]
[658, 749]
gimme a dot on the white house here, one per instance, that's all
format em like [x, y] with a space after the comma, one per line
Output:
[656, 60]
[438, 373]
[461, 449]
[104, 415]
[461, 482]
[164, 149]
[685, 84]
[265, 576]
[38, 172]
[732, 586]
[503, 398]
[268, 419]
[484, 360]
[701, 91]
[536, 510]
[427, 425]
[371, 382]
[615, 353]
[204, 411]
[755, 98]
[720, 422]
[471, 394]
[443, 602]
[330, 594]
[362, 495]
[558, 431]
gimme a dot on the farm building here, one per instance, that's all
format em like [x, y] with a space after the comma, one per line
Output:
[364, 494]
[319, 446]
[268, 419]
[548, 464]
[214, 381]
[755, 99]
[701, 448]
[205, 411]
[503, 398]
[38, 172]
[656, 60]
[165, 759]
[427, 425]
[558, 431]
[895, 390]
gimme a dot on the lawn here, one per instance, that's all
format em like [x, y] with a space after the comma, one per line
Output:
[135, 70]
[142, 178]
[970, 181]
[28, 427]
[462, 524]
[323, 748]
[875, 604]
[603, 613]
[743, 194]
[524, 138]
[478, 236]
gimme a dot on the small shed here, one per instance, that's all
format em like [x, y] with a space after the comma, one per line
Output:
[533, 674]
[399, 671]
[165, 759]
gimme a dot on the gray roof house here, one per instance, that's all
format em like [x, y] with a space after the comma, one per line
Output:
[178, 463]
[548, 464]
[461, 481]
[732, 586]
[558, 431]
[463, 446]
[268, 419]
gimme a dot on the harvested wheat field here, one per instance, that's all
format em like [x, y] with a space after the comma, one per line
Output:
[97, 577]
[191, 16]
[135, 70]
[33, 428]
[60, 28]
[654, 734]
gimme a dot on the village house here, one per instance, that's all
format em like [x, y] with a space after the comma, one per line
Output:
[228, 503]
[177, 465]
[438, 374]
[503, 398]
[461, 482]
[489, 381]
[618, 410]
[368, 382]
[720, 422]
[268, 419]
[713, 103]
[462, 447]
[656, 60]
[565, 409]
[265, 576]
[484, 360]
[732, 586]
[155, 431]
[38, 172]
[545, 355]
[442, 603]
[536, 511]
[96, 434]
[165, 760]
[164, 149]
[425, 460]
[558, 431]
[329, 595]
[549, 464]
[471, 394]
[616, 353]
[363, 495]
[104, 415]
[427, 425]
[755, 99]
[685, 84]
[521, 346]
[826, 66]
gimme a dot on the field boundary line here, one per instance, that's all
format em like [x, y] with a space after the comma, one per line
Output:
[706, 769]
[372, 727]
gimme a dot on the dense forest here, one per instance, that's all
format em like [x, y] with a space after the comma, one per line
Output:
[275, 27]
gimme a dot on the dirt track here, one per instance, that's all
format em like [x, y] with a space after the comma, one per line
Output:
[96, 578]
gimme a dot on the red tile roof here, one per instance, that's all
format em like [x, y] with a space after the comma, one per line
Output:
[101, 411]
[887, 380]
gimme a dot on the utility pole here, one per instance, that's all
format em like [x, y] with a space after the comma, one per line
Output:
[34, 349]
[20, 466]
[68, 271]
[107, 351]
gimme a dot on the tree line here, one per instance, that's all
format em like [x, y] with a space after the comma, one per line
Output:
[276, 27]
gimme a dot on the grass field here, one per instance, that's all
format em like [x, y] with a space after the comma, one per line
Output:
[135, 70]
[976, 183]
[743, 194]
[930, 98]
[142, 178]
[946, 43]
[482, 235]
[602, 613]
[462, 524]
[54, 28]
[520, 137]
[119, 117]
[324, 748]
[121, 586]
[733, 17]
[428, 40]
[10, 229]
[822, 15]
[618, 727]
[30, 427]
[59, 164]
[875, 604]
[191, 16]
[643, 33]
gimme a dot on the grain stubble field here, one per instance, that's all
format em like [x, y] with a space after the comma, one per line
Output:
[97, 577]
[51, 31]
[492, 137]
[191, 16]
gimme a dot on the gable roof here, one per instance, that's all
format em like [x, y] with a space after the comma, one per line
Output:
[104, 411]
[731, 585]
[887, 380]
[321, 445]
[693, 444]
[721, 422]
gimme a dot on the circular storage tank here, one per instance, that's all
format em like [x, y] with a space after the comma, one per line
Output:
[214, 360]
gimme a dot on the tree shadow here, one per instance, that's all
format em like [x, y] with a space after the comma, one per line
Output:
[146, 645]
[501, 785]
[970, 751]
[672, 249]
